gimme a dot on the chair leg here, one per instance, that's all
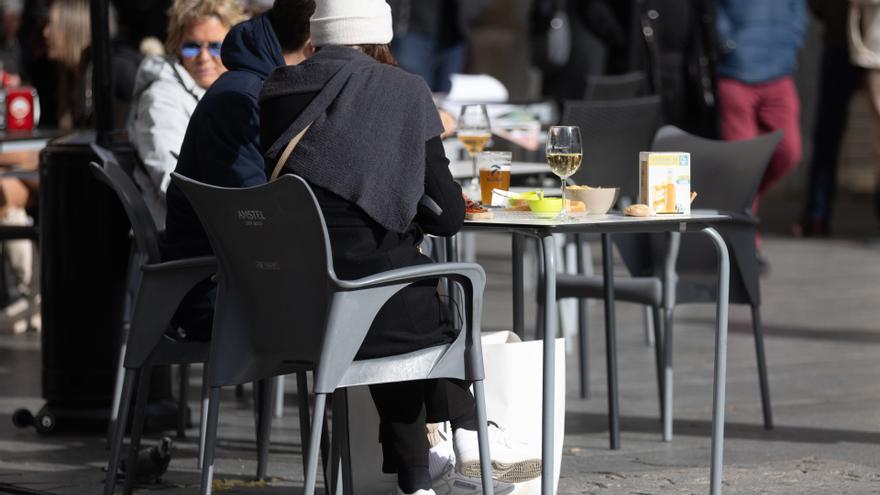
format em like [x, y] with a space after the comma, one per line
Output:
[263, 389]
[314, 444]
[203, 423]
[117, 391]
[210, 440]
[129, 382]
[649, 327]
[539, 293]
[278, 404]
[302, 392]
[758, 329]
[584, 348]
[483, 438]
[137, 428]
[668, 380]
[182, 400]
[656, 323]
[341, 480]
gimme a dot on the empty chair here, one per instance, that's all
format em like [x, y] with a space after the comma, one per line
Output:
[726, 175]
[616, 87]
[613, 133]
[280, 308]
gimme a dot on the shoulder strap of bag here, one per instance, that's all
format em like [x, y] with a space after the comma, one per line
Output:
[286, 154]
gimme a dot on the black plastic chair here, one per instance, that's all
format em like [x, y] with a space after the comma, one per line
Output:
[157, 289]
[280, 308]
[616, 87]
[726, 175]
[613, 133]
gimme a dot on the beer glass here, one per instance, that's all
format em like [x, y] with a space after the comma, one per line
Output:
[474, 132]
[564, 155]
[494, 173]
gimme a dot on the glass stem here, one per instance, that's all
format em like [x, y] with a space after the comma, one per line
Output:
[474, 161]
[564, 209]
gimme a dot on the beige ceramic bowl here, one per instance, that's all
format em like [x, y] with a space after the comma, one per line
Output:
[598, 200]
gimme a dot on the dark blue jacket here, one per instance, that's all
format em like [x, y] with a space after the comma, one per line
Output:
[760, 39]
[222, 142]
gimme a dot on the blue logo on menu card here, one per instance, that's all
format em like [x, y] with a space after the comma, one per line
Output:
[683, 160]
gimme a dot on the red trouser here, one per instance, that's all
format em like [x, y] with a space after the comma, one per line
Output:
[748, 110]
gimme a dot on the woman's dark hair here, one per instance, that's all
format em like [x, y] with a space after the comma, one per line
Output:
[290, 21]
[380, 53]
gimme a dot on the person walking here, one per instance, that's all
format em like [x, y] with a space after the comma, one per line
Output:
[864, 41]
[760, 41]
[840, 78]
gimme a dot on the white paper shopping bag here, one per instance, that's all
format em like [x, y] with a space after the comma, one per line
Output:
[514, 377]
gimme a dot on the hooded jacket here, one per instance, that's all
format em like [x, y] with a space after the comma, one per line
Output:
[222, 142]
[165, 98]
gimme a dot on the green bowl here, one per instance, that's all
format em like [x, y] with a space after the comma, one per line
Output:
[546, 207]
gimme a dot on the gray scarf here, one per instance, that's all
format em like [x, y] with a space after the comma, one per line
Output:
[369, 124]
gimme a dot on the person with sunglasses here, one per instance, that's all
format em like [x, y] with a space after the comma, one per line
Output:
[167, 89]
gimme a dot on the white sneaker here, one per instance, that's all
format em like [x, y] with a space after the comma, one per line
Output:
[454, 483]
[512, 462]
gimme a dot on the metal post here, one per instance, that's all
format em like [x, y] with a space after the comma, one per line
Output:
[518, 296]
[102, 71]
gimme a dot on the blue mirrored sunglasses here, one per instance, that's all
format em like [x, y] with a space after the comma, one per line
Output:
[191, 49]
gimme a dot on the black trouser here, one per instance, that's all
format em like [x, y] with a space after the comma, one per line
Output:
[404, 408]
[840, 79]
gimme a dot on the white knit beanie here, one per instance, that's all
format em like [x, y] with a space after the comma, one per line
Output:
[351, 22]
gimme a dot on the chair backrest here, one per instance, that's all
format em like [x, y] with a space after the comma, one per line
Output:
[725, 174]
[616, 87]
[274, 275]
[110, 172]
[613, 133]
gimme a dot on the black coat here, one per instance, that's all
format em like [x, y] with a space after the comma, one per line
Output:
[675, 43]
[415, 318]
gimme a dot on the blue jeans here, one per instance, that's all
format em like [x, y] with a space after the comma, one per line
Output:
[423, 55]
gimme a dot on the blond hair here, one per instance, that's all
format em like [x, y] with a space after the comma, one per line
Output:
[73, 19]
[184, 12]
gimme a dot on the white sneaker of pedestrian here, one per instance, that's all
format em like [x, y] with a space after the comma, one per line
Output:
[454, 483]
[512, 461]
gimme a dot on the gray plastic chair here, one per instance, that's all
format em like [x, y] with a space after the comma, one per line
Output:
[616, 87]
[280, 308]
[157, 289]
[726, 175]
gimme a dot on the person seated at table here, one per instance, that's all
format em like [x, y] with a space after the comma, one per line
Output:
[68, 42]
[167, 88]
[222, 142]
[370, 151]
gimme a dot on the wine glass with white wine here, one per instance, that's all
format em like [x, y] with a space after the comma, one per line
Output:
[474, 133]
[564, 155]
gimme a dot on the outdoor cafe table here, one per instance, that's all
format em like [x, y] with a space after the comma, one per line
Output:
[524, 224]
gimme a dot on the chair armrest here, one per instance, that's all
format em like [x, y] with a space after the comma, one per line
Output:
[743, 218]
[161, 289]
[414, 274]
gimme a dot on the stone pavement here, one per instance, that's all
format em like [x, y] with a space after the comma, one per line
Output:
[822, 323]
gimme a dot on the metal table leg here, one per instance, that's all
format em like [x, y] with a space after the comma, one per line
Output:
[517, 248]
[610, 343]
[720, 360]
[550, 331]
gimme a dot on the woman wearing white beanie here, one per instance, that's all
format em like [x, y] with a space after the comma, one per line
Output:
[370, 149]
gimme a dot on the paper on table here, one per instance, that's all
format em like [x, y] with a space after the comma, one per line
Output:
[481, 88]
